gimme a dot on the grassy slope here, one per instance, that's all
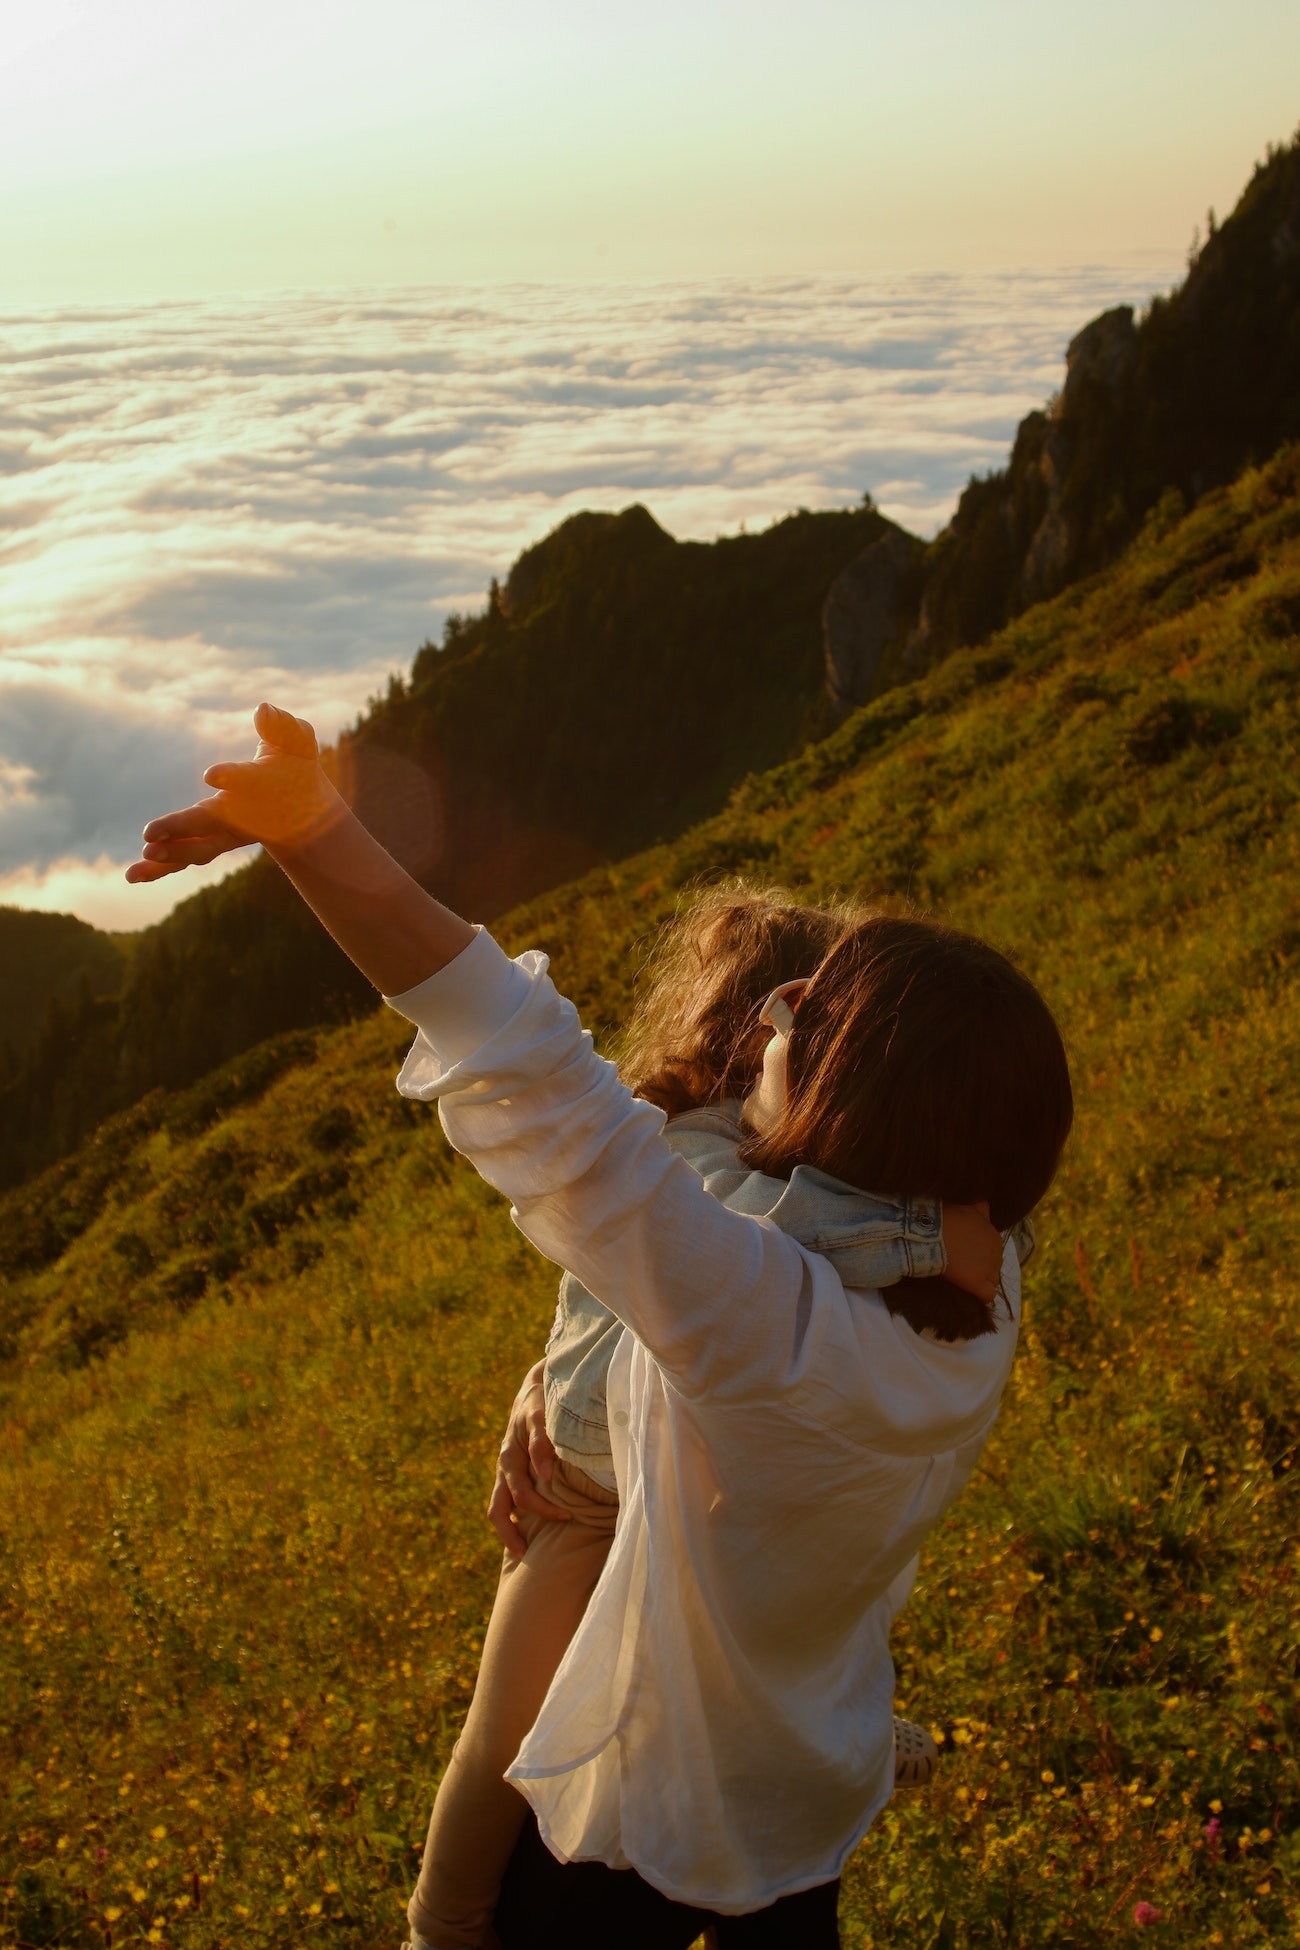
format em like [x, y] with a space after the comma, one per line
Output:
[244, 1570]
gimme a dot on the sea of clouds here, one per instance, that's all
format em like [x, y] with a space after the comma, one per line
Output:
[205, 503]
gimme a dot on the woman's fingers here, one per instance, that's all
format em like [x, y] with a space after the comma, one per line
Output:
[526, 1455]
[191, 822]
[541, 1454]
[528, 1428]
[513, 1464]
[528, 1497]
[192, 846]
[513, 1492]
[188, 838]
[501, 1516]
[175, 854]
[142, 871]
[285, 732]
[541, 1450]
[974, 1249]
[192, 853]
[160, 859]
[231, 773]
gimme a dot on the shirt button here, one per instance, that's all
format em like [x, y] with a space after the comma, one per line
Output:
[620, 1417]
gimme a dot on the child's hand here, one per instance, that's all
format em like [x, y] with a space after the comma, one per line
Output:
[527, 1458]
[974, 1249]
[281, 797]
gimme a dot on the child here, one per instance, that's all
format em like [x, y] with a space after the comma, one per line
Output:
[694, 1048]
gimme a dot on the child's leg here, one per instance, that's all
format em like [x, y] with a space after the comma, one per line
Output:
[477, 1816]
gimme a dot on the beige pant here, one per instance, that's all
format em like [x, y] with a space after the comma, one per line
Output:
[477, 1815]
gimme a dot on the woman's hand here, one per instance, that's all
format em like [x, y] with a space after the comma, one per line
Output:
[395, 932]
[974, 1247]
[527, 1458]
[280, 797]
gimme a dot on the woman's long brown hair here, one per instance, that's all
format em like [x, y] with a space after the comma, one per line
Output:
[922, 1062]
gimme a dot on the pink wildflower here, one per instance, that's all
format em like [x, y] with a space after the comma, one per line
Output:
[1147, 1913]
[1212, 1827]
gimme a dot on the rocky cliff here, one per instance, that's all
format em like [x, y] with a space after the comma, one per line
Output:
[1206, 381]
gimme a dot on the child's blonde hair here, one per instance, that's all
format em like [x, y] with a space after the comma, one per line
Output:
[695, 1038]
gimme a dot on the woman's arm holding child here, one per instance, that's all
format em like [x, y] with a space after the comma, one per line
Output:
[526, 1460]
[974, 1250]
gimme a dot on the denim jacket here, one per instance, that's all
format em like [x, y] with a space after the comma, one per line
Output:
[871, 1242]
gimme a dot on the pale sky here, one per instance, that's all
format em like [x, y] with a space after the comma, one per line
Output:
[184, 147]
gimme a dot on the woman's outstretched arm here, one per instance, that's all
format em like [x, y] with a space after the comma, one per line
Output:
[395, 933]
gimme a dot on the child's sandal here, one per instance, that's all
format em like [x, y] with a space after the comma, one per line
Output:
[915, 1754]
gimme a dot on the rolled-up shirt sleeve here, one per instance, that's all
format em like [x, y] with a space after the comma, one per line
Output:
[459, 1008]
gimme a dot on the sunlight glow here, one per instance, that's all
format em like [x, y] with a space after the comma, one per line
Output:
[236, 144]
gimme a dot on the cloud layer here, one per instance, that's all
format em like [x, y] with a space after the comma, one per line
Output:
[204, 503]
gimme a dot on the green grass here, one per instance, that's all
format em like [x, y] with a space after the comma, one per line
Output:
[250, 1407]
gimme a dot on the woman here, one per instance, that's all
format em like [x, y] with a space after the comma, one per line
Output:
[722, 1721]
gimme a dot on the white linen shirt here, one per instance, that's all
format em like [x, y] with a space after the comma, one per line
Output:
[722, 1720]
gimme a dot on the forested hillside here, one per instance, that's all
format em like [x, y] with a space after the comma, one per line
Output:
[233, 965]
[260, 1338]
[50, 961]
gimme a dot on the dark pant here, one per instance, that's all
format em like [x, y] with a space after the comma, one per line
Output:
[550, 1905]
